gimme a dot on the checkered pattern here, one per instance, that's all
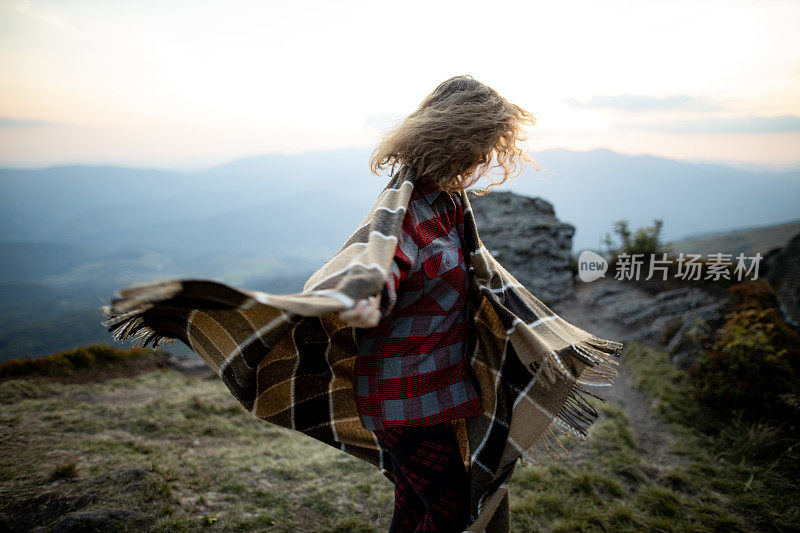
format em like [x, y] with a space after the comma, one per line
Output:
[431, 485]
[411, 369]
[288, 358]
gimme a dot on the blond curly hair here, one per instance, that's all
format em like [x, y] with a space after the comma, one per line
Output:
[455, 134]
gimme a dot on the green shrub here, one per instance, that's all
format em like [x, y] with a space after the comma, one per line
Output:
[67, 362]
[643, 248]
[646, 240]
[753, 361]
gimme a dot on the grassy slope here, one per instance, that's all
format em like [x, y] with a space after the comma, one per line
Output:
[178, 450]
[716, 483]
[748, 241]
[200, 451]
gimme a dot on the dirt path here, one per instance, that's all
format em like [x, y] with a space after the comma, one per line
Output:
[654, 441]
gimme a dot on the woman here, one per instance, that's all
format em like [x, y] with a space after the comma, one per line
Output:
[412, 377]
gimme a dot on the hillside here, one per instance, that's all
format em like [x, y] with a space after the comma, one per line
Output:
[165, 450]
[749, 240]
[237, 208]
[42, 312]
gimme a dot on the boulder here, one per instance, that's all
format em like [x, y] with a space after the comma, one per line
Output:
[782, 267]
[525, 236]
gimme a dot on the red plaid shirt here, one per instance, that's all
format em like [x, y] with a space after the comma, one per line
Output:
[411, 369]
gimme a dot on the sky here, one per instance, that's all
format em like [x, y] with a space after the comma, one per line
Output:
[184, 84]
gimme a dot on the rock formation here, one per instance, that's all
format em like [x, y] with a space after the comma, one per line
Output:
[782, 267]
[525, 236]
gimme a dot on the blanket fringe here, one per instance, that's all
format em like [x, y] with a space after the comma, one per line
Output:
[600, 362]
[125, 314]
[572, 421]
[577, 415]
[549, 446]
[131, 325]
[601, 356]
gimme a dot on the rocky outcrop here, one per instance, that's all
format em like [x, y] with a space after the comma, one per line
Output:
[782, 267]
[674, 320]
[524, 235]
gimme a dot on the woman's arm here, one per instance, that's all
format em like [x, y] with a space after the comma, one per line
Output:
[369, 312]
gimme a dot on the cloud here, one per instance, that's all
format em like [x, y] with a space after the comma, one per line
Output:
[8, 122]
[44, 17]
[749, 124]
[632, 102]
[382, 121]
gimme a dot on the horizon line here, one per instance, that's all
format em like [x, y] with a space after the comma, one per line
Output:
[198, 167]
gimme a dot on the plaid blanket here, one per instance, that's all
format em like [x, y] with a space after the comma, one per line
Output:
[288, 359]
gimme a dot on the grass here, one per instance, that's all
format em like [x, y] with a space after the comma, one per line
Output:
[719, 481]
[81, 360]
[204, 461]
[180, 451]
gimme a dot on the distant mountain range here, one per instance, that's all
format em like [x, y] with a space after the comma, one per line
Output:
[271, 205]
[749, 240]
[70, 235]
[593, 189]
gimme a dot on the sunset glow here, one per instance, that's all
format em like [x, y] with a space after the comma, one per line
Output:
[192, 83]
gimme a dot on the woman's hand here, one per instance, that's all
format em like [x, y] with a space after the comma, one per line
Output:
[365, 314]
